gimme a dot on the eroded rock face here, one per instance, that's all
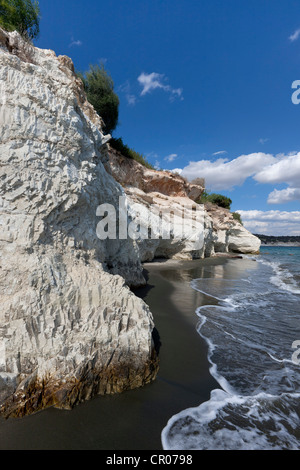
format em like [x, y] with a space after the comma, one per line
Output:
[130, 173]
[69, 325]
[227, 234]
[215, 230]
[150, 192]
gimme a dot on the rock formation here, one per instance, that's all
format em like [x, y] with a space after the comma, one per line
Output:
[69, 325]
[213, 232]
[227, 235]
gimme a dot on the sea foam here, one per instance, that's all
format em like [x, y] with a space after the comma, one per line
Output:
[231, 422]
[249, 327]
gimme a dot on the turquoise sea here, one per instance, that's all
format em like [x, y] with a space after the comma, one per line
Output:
[252, 327]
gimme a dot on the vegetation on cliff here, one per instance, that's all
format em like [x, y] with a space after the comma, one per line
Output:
[22, 16]
[219, 199]
[237, 217]
[99, 88]
[126, 151]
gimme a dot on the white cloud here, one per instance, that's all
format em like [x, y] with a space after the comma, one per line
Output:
[177, 171]
[153, 81]
[286, 169]
[75, 43]
[284, 195]
[224, 174]
[221, 152]
[131, 99]
[129, 96]
[171, 158]
[271, 222]
[295, 35]
[150, 82]
[263, 141]
[273, 216]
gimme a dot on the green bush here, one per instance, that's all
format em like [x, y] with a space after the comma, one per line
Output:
[99, 88]
[22, 16]
[218, 199]
[6, 12]
[126, 151]
[237, 217]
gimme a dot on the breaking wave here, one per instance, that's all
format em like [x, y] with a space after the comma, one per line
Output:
[249, 326]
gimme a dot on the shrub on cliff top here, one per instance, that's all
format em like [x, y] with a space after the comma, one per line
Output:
[99, 88]
[126, 151]
[218, 199]
[22, 16]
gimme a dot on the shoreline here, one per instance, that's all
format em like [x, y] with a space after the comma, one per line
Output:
[293, 245]
[134, 420]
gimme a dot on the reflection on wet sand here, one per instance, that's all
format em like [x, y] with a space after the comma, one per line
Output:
[181, 273]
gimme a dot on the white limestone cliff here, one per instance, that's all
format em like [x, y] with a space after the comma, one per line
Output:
[228, 235]
[69, 325]
[209, 229]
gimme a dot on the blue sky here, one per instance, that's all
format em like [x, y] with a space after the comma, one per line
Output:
[205, 87]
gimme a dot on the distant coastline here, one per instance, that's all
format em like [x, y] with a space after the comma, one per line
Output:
[284, 240]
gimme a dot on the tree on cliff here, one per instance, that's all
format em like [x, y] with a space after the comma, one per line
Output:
[5, 15]
[21, 15]
[99, 88]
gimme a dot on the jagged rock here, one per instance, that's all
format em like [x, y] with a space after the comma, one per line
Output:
[215, 230]
[130, 173]
[149, 191]
[227, 234]
[69, 325]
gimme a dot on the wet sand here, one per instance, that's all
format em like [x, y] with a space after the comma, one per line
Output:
[134, 420]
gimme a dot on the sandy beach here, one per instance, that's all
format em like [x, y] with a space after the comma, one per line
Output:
[135, 419]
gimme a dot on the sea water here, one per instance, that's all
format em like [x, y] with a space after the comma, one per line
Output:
[252, 327]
